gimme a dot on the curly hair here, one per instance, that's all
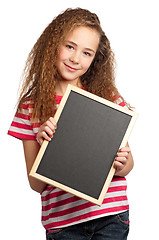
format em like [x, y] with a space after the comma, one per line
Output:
[40, 73]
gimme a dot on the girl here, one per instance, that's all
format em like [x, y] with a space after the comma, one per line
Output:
[72, 49]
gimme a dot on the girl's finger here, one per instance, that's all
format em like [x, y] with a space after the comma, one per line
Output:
[119, 166]
[125, 149]
[50, 125]
[122, 160]
[122, 154]
[45, 136]
[40, 141]
[42, 136]
[52, 120]
[48, 131]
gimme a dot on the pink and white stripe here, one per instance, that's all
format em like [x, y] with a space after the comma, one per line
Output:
[59, 208]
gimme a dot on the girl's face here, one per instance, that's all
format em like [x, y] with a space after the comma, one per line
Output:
[77, 53]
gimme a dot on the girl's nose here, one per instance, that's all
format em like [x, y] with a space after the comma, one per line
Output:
[75, 57]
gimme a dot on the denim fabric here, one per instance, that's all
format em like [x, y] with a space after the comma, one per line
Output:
[114, 227]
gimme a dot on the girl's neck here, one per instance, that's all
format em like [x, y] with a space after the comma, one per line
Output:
[61, 86]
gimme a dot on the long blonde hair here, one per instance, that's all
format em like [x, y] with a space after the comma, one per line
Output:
[40, 73]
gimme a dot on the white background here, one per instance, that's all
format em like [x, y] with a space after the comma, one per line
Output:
[132, 27]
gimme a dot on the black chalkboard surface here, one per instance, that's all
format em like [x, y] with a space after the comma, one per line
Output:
[79, 159]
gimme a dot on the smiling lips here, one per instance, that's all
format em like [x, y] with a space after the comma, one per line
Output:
[70, 68]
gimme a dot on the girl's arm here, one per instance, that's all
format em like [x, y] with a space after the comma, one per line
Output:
[123, 162]
[31, 149]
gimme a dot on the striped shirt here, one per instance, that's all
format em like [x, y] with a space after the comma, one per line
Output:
[59, 208]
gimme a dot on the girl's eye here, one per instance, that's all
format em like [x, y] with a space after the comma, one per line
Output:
[87, 54]
[69, 47]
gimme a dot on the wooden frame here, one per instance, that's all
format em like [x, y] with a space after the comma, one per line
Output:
[116, 109]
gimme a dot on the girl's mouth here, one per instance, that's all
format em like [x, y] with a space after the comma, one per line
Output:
[70, 68]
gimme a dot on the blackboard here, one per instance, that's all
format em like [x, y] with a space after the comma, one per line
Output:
[79, 159]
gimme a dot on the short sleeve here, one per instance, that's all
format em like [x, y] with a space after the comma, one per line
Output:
[118, 100]
[21, 126]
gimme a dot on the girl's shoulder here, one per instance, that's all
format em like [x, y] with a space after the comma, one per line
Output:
[27, 103]
[22, 127]
[25, 110]
[119, 100]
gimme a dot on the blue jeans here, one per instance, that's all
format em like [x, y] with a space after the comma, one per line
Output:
[115, 227]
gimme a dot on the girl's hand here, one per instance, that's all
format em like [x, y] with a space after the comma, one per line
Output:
[46, 130]
[121, 159]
